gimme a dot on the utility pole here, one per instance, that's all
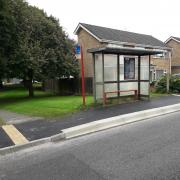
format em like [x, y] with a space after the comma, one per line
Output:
[82, 75]
[169, 72]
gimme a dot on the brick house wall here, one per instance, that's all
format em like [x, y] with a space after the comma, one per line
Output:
[175, 63]
[87, 42]
[159, 64]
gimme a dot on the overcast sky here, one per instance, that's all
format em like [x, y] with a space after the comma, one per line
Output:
[159, 18]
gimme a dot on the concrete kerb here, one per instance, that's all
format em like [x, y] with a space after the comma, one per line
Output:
[15, 148]
[95, 126]
[118, 121]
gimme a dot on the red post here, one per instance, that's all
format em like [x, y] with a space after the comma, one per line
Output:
[104, 102]
[136, 95]
[82, 76]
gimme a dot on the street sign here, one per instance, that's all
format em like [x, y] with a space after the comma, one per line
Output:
[79, 55]
[78, 49]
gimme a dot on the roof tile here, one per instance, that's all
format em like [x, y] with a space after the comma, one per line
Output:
[123, 36]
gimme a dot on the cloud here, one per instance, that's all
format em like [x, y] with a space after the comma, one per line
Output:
[156, 17]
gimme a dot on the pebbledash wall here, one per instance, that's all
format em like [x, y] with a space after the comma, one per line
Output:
[160, 65]
[175, 64]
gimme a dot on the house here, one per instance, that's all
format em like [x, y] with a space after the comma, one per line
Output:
[119, 61]
[12, 81]
[160, 65]
[174, 43]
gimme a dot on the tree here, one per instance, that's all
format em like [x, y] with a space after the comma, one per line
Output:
[59, 57]
[42, 49]
[6, 37]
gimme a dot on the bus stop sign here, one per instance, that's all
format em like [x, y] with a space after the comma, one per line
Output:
[78, 49]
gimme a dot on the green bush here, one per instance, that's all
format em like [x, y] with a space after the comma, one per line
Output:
[153, 83]
[174, 85]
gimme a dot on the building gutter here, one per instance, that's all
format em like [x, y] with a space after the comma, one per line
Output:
[135, 48]
[136, 45]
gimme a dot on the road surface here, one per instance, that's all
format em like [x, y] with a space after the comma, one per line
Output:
[147, 150]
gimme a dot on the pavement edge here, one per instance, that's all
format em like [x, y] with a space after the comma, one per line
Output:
[118, 121]
[16, 148]
[95, 126]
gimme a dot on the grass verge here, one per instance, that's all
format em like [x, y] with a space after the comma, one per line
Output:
[42, 104]
[154, 94]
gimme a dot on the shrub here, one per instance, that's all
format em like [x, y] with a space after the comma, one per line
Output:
[153, 83]
[174, 84]
[160, 85]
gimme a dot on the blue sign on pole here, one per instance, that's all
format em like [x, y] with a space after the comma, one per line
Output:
[78, 49]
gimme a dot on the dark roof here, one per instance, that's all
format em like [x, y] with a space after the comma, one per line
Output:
[104, 33]
[177, 38]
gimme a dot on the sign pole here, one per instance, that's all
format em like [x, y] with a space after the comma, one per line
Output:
[82, 76]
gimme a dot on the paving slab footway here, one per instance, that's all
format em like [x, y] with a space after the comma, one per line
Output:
[15, 118]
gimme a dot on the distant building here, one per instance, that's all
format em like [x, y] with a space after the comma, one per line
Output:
[160, 65]
[174, 43]
[12, 81]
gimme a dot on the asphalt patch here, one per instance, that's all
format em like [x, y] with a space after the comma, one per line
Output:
[38, 129]
[5, 141]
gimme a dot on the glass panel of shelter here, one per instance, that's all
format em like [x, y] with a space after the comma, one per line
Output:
[111, 74]
[144, 86]
[98, 76]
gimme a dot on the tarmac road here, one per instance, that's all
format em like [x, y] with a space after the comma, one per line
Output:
[147, 150]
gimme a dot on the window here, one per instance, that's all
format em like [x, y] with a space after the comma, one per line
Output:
[129, 68]
[159, 74]
[159, 55]
[164, 55]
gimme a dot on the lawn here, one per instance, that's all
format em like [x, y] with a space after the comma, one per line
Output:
[154, 94]
[43, 104]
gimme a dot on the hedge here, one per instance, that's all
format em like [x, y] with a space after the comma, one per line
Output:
[174, 84]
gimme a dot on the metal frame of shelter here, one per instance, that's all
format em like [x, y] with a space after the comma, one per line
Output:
[122, 51]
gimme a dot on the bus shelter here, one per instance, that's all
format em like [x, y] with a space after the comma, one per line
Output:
[120, 72]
